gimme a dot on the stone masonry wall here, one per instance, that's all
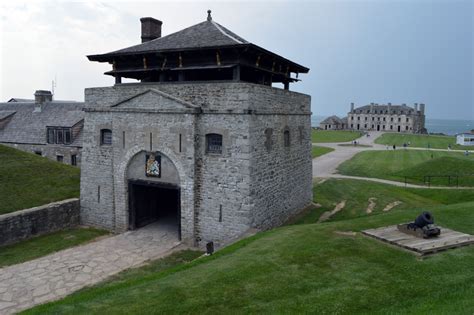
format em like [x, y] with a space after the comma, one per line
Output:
[48, 218]
[222, 195]
[281, 176]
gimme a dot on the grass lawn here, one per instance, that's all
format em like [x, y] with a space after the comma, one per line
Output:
[322, 136]
[415, 164]
[318, 151]
[28, 180]
[46, 244]
[421, 141]
[306, 267]
[356, 193]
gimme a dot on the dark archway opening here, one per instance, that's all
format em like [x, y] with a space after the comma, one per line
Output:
[154, 201]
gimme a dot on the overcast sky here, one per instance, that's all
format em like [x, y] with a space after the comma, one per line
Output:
[410, 51]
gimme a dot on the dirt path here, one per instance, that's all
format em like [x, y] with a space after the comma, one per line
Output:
[328, 214]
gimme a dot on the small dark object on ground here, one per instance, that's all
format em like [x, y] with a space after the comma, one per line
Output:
[210, 248]
[422, 227]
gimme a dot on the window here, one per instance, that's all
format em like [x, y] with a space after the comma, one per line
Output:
[399, 119]
[391, 118]
[214, 143]
[358, 117]
[384, 119]
[286, 138]
[58, 135]
[365, 118]
[391, 127]
[406, 127]
[59, 158]
[51, 138]
[74, 159]
[408, 119]
[352, 125]
[105, 137]
[67, 136]
[302, 135]
[373, 118]
[38, 153]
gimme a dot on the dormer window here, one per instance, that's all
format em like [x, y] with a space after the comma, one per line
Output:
[214, 143]
[58, 135]
[105, 137]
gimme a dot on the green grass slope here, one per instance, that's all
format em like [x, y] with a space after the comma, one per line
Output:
[322, 136]
[356, 193]
[421, 141]
[415, 164]
[28, 180]
[46, 244]
[300, 269]
[317, 151]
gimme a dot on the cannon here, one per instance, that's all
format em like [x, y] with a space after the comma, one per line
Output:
[422, 227]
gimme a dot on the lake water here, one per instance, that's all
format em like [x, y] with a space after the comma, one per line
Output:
[446, 126]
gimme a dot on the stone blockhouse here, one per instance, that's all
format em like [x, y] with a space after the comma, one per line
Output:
[215, 150]
[43, 126]
[395, 118]
[334, 123]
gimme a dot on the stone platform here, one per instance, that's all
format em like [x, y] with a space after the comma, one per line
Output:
[448, 239]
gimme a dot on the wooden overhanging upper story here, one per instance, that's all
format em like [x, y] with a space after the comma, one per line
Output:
[204, 52]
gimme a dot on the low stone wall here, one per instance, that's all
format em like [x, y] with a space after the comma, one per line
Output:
[26, 223]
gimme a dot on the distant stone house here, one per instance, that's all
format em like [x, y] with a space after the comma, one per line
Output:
[395, 118]
[465, 139]
[43, 126]
[203, 139]
[334, 123]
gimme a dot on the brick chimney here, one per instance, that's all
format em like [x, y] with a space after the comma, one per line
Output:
[41, 97]
[151, 29]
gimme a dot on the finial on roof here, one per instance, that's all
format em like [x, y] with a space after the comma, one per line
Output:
[209, 17]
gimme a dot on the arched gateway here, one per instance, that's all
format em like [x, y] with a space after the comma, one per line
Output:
[154, 192]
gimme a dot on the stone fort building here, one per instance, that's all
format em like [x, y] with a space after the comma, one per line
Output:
[375, 117]
[203, 140]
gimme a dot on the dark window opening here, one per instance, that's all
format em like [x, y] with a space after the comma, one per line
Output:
[58, 135]
[286, 138]
[214, 143]
[105, 137]
[74, 159]
[38, 153]
[59, 158]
